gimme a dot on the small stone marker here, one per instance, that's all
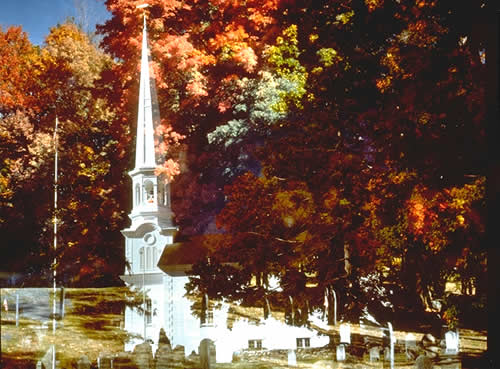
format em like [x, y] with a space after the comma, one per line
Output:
[47, 359]
[143, 356]
[411, 346]
[207, 354]
[374, 353]
[387, 353]
[410, 341]
[340, 352]
[178, 354]
[292, 358]
[104, 361]
[345, 333]
[39, 365]
[163, 356]
[83, 362]
[423, 362]
[451, 340]
[123, 360]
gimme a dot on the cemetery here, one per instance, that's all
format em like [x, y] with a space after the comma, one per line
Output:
[91, 335]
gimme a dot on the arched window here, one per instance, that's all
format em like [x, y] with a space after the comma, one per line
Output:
[137, 194]
[149, 192]
[148, 258]
[155, 257]
[161, 195]
[141, 258]
[166, 199]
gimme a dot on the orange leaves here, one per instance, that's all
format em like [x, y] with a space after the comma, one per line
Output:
[233, 44]
[18, 63]
[417, 215]
[373, 4]
[384, 83]
[169, 169]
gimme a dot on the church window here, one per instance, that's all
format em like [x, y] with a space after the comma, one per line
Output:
[149, 310]
[166, 200]
[137, 194]
[255, 344]
[161, 195]
[155, 257]
[303, 342]
[209, 317]
[149, 191]
[141, 259]
[148, 258]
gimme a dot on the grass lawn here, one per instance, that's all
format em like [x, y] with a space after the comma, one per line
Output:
[93, 321]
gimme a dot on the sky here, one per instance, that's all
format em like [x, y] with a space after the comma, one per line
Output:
[36, 17]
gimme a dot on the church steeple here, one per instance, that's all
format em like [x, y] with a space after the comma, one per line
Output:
[151, 194]
[145, 150]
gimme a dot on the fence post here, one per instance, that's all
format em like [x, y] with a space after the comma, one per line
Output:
[17, 309]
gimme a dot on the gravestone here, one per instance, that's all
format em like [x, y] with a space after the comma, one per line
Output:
[83, 362]
[292, 358]
[193, 357]
[423, 362]
[163, 356]
[411, 348]
[178, 356]
[104, 361]
[374, 353]
[345, 333]
[143, 356]
[387, 353]
[163, 339]
[451, 340]
[207, 353]
[340, 352]
[39, 365]
[123, 360]
[47, 359]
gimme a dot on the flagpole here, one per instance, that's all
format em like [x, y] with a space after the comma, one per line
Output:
[55, 140]
[55, 227]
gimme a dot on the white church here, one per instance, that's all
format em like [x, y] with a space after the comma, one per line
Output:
[158, 266]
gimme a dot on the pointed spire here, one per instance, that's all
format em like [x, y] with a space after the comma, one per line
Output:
[145, 150]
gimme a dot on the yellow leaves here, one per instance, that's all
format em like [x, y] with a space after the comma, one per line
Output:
[283, 56]
[293, 207]
[401, 177]
[313, 37]
[344, 18]
[73, 205]
[291, 34]
[328, 57]
[317, 70]
[69, 48]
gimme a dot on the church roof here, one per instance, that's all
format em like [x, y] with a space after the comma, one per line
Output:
[180, 256]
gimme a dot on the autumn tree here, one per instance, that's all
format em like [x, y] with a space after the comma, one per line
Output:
[336, 127]
[65, 83]
[370, 140]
